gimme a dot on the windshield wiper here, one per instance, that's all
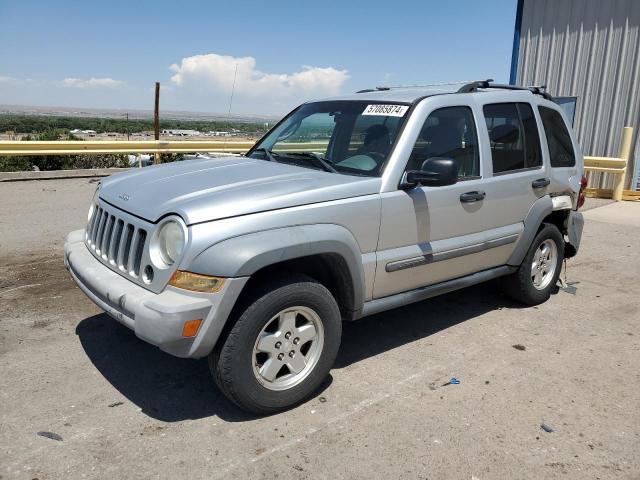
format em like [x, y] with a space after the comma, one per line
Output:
[267, 152]
[318, 160]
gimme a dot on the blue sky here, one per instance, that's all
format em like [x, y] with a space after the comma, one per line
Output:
[109, 54]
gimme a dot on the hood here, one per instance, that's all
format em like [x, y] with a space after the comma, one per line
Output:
[216, 188]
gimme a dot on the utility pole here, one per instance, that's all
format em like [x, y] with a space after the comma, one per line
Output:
[127, 126]
[156, 121]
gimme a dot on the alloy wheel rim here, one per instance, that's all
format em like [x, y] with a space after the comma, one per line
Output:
[544, 264]
[288, 348]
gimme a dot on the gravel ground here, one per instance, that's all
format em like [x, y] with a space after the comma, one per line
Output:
[111, 406]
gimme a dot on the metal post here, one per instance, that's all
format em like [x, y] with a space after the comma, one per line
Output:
[624, 154]
[156, 122]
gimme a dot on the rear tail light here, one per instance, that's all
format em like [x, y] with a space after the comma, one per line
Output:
[581, 197]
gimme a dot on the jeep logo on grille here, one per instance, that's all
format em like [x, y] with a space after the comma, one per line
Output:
[124, 196]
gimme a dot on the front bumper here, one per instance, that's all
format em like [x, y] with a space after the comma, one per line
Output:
[155, 318]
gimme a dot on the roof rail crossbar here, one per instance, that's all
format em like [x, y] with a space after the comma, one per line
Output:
[377, 89]
[474, 86]
[399, 87]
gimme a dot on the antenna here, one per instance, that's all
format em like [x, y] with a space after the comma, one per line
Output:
[233, 87]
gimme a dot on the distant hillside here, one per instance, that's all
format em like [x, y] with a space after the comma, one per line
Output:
[38, 123]
[133, 114]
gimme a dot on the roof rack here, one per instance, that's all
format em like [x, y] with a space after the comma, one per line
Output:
[397, 87]
[377, 89]
[474, 86]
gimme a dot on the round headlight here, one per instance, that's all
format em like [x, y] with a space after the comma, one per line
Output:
[170, 241]
[92, 207]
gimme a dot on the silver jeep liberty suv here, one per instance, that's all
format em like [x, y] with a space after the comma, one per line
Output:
[348, 207]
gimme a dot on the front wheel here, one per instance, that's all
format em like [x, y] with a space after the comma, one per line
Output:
[532, 283]
[281, 347]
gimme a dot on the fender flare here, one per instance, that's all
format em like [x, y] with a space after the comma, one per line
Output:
[244, 255]
[537, 213]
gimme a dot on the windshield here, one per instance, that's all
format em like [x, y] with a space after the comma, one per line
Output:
[352, 137]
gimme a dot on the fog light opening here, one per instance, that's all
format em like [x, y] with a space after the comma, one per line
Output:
[147, 275]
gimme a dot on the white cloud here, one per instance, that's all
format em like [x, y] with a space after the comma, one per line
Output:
[91, 82]
[215, 73]
[5, 79]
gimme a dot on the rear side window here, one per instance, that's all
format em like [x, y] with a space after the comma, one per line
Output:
[558, 138]
[513, 133]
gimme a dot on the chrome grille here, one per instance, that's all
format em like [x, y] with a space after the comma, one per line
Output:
[116, 241]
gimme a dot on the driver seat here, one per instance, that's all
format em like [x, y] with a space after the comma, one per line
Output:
[376, 140]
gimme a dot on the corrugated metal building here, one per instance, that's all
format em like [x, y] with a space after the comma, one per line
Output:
[589, 49]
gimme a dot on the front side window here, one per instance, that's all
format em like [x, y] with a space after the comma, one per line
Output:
[448, 132]
[558, 138]
[513, 134]
[351, 137]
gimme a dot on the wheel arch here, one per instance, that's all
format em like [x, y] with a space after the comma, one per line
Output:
[541, 212]
[541, 208]
[327, 253]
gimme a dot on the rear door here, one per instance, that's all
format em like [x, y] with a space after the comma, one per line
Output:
[519, 174]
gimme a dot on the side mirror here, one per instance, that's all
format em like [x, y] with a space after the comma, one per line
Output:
[435, 172]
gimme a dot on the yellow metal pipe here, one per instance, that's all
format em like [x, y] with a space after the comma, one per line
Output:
[589, 159]
[604, 161]
[24, 153]
[616, 166]
[625, 154]
[71, 147]
[617, 171]
[149, 146]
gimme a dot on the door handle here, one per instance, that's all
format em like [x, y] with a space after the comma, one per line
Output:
[540, 183]
[471, 197]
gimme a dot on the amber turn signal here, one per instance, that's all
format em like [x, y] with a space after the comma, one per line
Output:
[191, 327]
[196, 282]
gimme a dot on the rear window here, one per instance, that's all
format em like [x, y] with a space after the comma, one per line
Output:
[513, 133]
[558, 138]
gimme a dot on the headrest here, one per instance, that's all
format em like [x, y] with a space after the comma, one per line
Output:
[431, 133]
[376, 132]
[504, 134]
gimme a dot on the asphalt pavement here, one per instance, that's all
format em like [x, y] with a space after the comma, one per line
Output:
[82, 397]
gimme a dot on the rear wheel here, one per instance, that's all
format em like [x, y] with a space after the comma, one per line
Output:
[532, 283]
[281, 347]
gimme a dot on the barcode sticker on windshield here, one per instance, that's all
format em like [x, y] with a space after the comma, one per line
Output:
[386, 110]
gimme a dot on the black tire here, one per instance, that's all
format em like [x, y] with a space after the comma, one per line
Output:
[519, 285]
[231, 362]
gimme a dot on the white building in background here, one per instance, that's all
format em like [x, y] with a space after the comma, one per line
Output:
[77, 131]
[181, 133]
